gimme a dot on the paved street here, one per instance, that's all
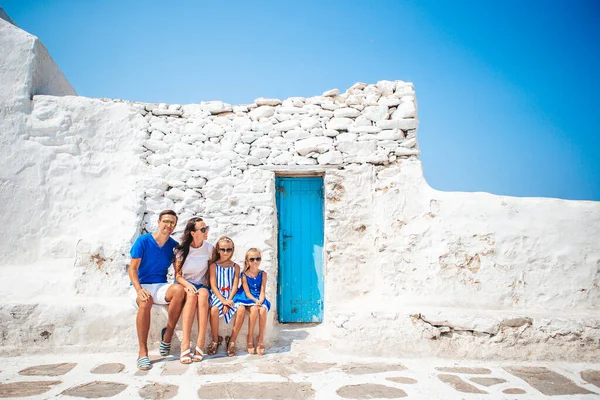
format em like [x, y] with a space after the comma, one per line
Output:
[303, 370]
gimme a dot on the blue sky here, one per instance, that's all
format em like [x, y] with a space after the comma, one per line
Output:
[507, 90]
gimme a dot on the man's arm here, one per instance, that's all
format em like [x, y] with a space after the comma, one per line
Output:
[134, 265]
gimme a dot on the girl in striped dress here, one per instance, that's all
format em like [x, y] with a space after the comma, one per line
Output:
[224, 282]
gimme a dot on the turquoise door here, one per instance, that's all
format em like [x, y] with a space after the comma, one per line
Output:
[300, 278]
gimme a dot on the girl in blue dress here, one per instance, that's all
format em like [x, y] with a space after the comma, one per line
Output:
[254, 282]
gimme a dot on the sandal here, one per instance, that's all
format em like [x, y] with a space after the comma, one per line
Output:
[165, 348]
[231, 350]
[214, 346]
[143, 363]
[198, 355]
[185, 358]
[250, 346]
[260, 348]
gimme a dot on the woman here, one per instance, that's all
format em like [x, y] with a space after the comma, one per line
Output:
[191, 271]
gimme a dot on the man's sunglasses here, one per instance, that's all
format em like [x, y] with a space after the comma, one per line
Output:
[204, 229]
[167, 222]
[228, 250]
[252, 259]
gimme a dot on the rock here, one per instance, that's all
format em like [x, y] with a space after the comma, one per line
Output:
[156, 145]
[175, 194]
[319, 144]
[485, 381]
[386, 88]
[364, 129]
[170, 113]
[330, 106]
[403, 151]
[25, 388]
[332, 157]
[112, 368]
[412, 142]
[196, 164]
[213, 130]
[309, 123]
[325, 114]
[346, 112]
[370, 391]
[514, 391]
[403, 380]
[296, 134]
[215, 107]
[376, 113]
[96, 389]
[330, 93]
[546, 381]
[340, 124]
[48, 369]
[389, 134]
[591, 376]
[260, 153]
[346, 137]
[459, 384]
[257, 390]
[292, 110]
[282, 159]
[328, 133]
[286, 125]
[261, 101]
[158, 391]
[404, 124]
[389, 101]
[465, 370]
[405, 110]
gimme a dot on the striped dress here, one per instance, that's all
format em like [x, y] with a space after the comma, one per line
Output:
[225, 278]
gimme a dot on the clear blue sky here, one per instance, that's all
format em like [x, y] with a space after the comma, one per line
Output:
[508, 91]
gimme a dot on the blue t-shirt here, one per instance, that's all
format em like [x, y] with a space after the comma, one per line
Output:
[155, 260]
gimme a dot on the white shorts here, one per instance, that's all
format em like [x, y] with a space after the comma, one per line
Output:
[158, 291]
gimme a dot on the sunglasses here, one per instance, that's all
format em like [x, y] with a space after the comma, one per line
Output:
[228, 250]
[252, 259]
[204, 229]
[170, 223]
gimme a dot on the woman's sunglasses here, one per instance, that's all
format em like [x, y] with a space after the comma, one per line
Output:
[252, 259]
[228, 250]
[204, 229]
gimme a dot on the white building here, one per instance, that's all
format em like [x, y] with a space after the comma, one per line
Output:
[363, 246]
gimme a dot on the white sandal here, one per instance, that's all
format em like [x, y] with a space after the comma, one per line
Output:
[198, 355]
[184, 358]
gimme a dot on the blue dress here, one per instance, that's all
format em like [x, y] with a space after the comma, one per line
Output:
[254, 285]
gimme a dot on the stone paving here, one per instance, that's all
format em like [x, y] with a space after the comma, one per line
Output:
[306, 371]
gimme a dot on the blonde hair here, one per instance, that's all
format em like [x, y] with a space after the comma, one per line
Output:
[246, 263]
[215, 255]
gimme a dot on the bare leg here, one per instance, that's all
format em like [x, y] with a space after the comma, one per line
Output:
[262, 324]
[251, 324]
[187, 319]
[175, 297]
[202, 317]
[239, 321]
[214, 323]
[142, 323]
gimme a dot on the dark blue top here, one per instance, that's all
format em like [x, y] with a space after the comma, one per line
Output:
[155, 260]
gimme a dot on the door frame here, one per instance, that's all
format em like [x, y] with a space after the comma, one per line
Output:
[298, 174]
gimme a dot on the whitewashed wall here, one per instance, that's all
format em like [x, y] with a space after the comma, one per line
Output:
[408, 270]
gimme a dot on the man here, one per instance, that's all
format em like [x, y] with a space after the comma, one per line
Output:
[151, 256]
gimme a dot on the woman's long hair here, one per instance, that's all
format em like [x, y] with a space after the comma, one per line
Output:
[186, 241]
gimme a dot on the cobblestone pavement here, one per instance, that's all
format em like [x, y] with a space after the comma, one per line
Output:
[298, 372]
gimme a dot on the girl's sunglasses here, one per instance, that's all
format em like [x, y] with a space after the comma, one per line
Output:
[252, 259]
[228, 250]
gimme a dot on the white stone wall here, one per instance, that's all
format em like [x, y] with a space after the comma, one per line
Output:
[408, 270]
